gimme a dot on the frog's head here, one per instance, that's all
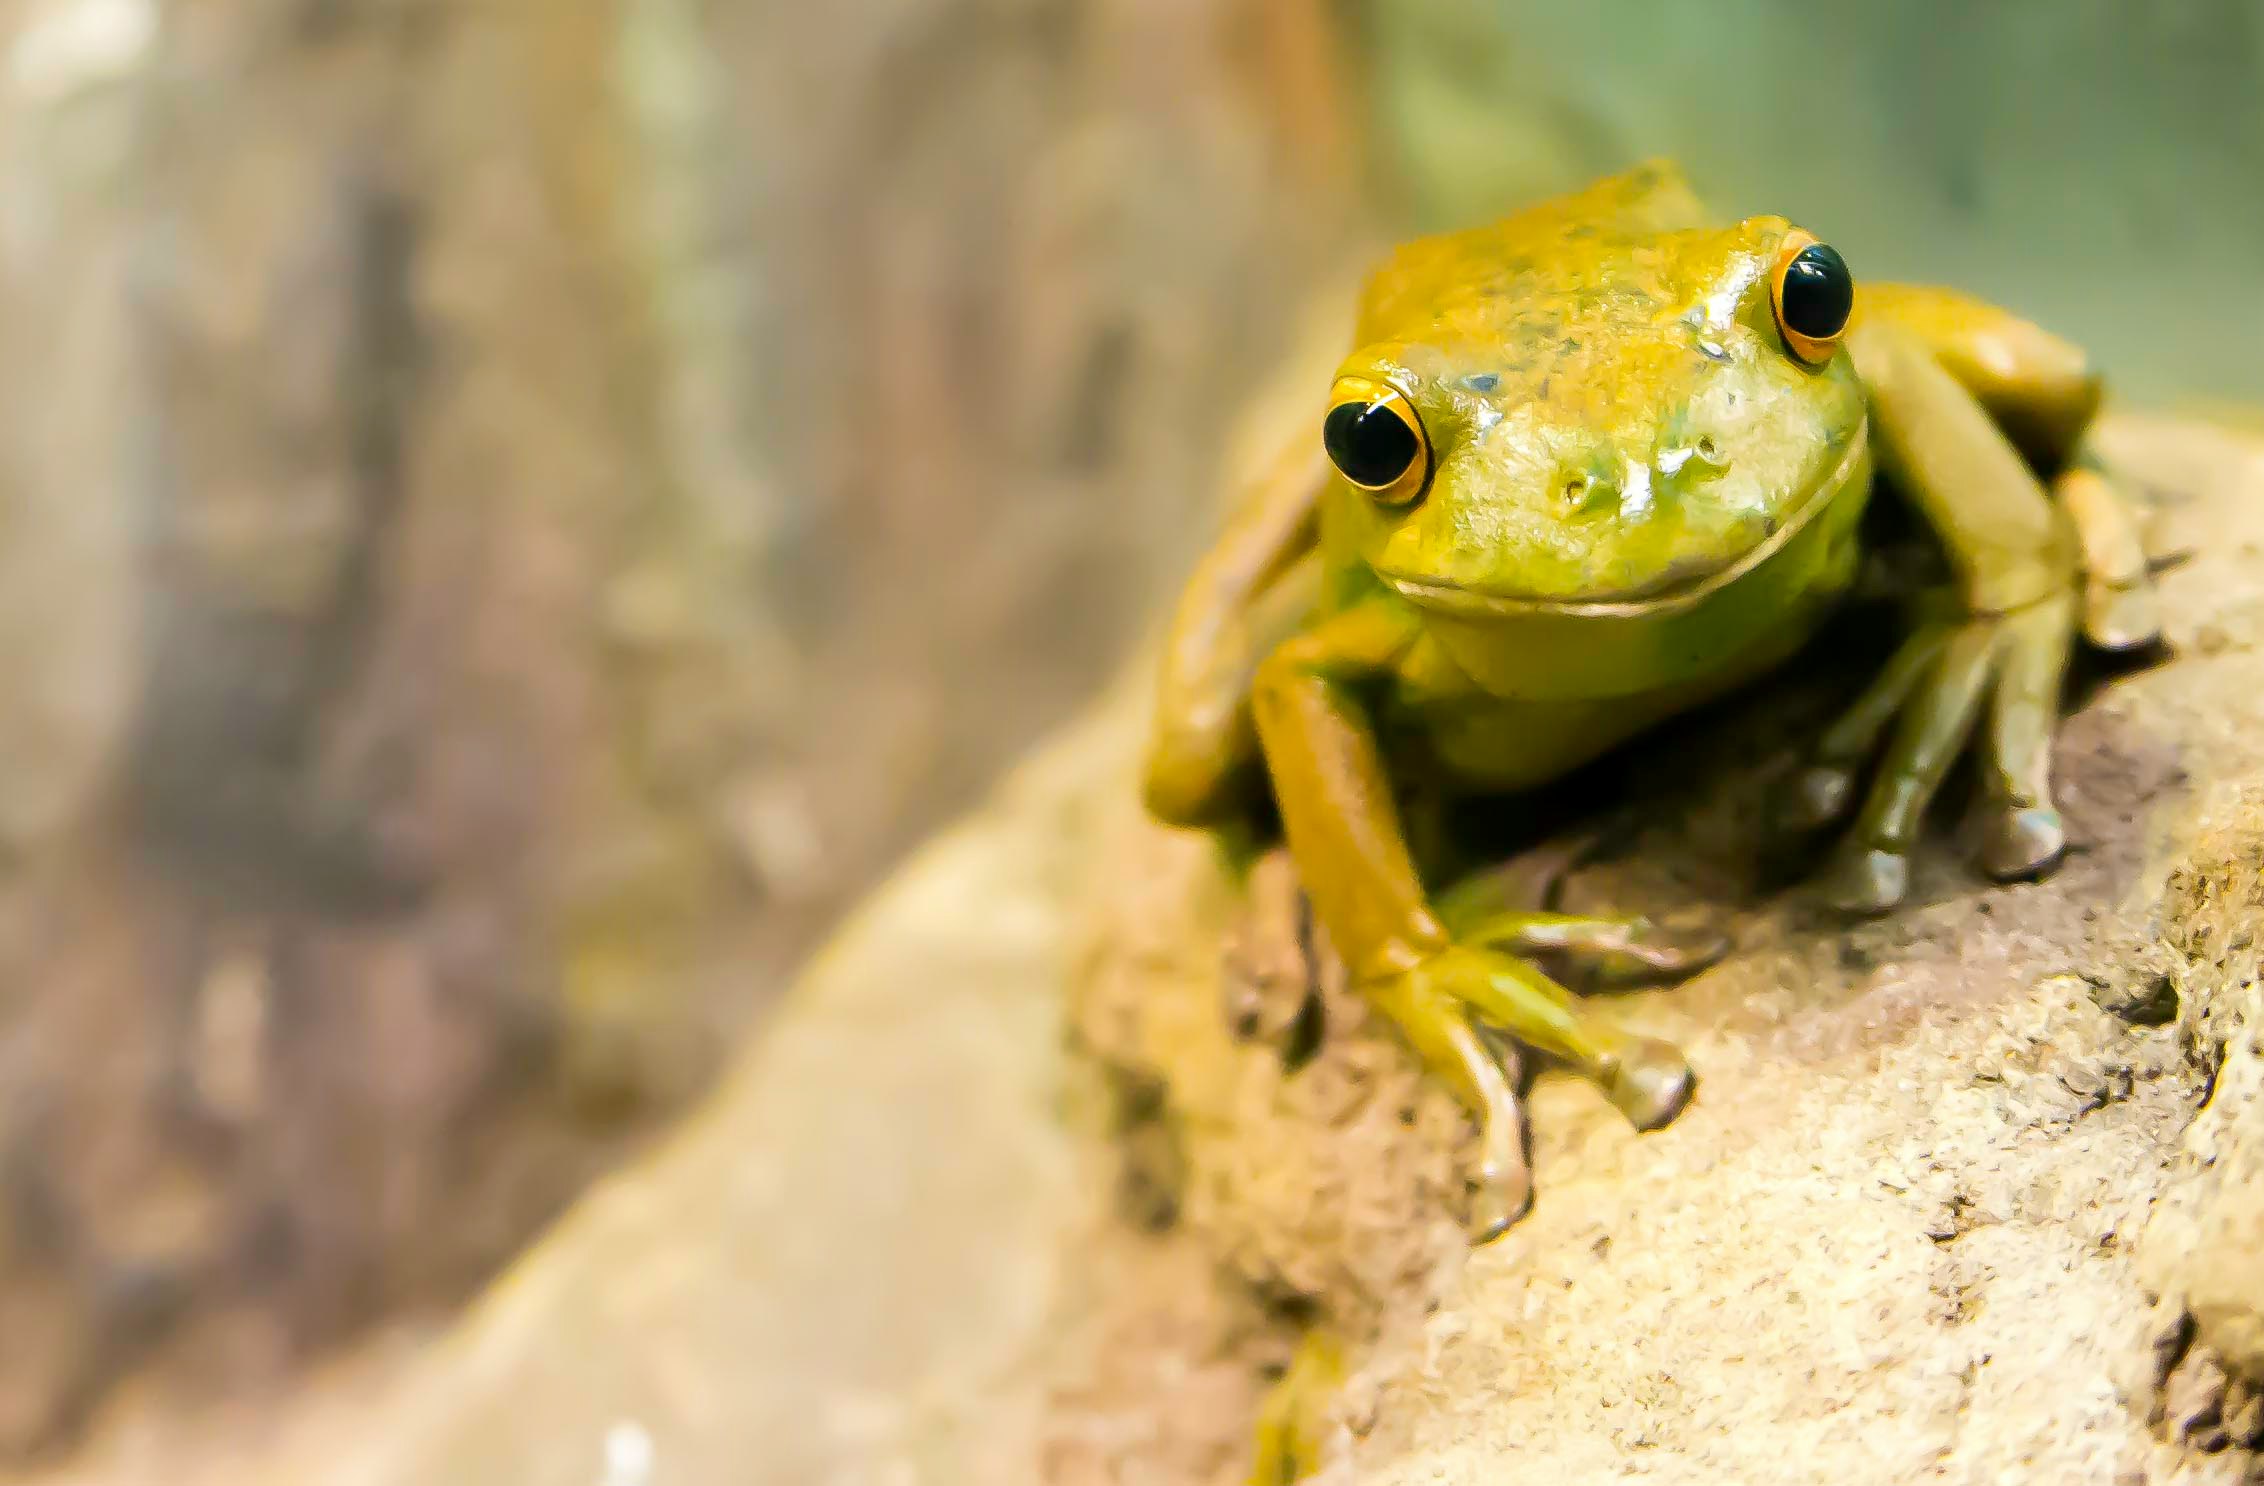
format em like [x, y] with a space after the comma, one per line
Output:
[1599, 423]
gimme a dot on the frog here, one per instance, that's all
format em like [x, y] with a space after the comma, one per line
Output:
[1585, 469]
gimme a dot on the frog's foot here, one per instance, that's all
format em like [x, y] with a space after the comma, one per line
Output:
[1294, 1415]
[1442, 1035]
[1935, 690]
[1648, 1081]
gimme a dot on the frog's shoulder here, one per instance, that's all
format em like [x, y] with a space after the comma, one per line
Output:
[1650, 198]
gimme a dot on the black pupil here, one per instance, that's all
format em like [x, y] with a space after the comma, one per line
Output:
[1818, 293]
[1369, 442]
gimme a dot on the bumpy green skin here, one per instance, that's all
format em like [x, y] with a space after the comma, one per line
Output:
[1641, 493]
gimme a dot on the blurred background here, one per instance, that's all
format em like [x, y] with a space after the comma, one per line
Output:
[516, 510]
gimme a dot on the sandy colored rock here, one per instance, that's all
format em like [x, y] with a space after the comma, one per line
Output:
[471, 613]
[1896, 1238]
[2205, 1247]
[1019, 1190]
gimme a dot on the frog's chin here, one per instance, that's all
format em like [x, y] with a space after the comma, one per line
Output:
[1679, 591]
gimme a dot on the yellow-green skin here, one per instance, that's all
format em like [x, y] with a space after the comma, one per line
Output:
[1639, 497]
[1616, 426]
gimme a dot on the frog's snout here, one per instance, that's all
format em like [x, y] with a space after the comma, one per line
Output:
[1631, 484]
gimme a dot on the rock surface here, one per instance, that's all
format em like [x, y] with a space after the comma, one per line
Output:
[461, 637]
[1938, 1213]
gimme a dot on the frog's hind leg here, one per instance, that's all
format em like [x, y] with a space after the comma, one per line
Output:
[2044, 393]
[1998, 648]
[1250, 592]
[2039, 388]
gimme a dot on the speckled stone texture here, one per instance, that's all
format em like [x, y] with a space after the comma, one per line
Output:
[1035, 1179]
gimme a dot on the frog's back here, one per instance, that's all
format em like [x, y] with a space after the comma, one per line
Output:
[1534, 254]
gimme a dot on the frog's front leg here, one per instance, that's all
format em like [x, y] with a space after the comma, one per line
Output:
[2000, 649]
[1310, 704]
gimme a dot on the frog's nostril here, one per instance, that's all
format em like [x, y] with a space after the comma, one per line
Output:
[1699, 459]
[1587, 493]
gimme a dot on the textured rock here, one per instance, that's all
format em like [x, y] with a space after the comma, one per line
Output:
[470, 607]
[1900, 1235]
[1937, 1213]
[752, 1303]
[2204, 1251]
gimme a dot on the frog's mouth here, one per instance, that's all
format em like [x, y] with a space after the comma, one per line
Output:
[1675, 592]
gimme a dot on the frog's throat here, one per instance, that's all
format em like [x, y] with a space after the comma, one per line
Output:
[1458, 600]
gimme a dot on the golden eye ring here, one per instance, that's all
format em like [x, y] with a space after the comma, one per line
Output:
[1813, 295]
[1375, 439]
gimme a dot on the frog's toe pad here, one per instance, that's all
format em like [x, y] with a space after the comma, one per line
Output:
[1504, 1194]
[2023, 842]
[1865, 880]
[2118, 619]
[1818, 795]
[1650, 1082]
[1675, 950]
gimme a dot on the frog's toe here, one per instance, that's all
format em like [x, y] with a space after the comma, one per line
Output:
[2022, 835]
[1484, 1076]
[1826, 789]
[2119, 611]
[1649, 1081]
[2022, 841]
[1601, 948]
[1503, 1194]
[1669, 951]
[2119, 619]
[1865, 880]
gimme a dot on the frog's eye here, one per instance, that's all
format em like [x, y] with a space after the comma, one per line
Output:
[1376, 441]
[1813, 294]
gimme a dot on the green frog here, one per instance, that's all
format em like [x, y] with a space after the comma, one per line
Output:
[1589, 467]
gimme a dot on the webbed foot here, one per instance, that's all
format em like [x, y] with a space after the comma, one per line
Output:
[1998, 676]
[1995, 678]
[1647, 1080]
[1443, 1036]
[1487, 976]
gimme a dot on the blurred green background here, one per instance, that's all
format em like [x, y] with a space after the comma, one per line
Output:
[2094, 165]
[517, 511]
